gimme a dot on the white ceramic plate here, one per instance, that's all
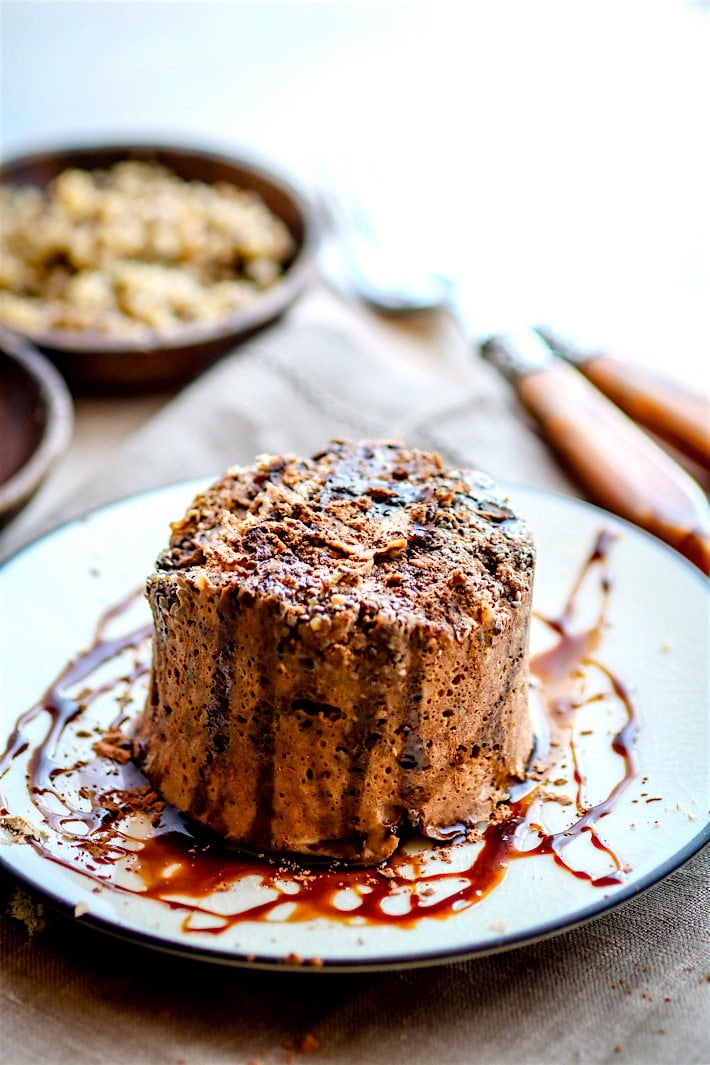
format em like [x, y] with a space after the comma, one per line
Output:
[654, 639]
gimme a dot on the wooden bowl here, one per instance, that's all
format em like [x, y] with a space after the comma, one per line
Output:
[36, 422]
[92, 362]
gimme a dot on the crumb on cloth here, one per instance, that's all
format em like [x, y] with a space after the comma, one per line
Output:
[29, 912]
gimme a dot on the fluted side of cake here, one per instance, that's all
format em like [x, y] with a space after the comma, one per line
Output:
[340, 653]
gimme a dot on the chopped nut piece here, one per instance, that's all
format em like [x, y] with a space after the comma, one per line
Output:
[116, 746]
[308, 1044]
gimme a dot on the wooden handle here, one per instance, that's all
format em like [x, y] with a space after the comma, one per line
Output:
[618, 464]
[671, 410]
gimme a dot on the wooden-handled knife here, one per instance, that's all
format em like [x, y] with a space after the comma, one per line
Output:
[670, 409]
[616, 461]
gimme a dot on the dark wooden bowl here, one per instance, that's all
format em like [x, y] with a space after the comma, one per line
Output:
[36, 422]
[92, 362]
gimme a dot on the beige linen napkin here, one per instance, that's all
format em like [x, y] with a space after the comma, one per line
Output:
[629, 987]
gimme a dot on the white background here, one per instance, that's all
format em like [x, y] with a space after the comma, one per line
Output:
[553, 154]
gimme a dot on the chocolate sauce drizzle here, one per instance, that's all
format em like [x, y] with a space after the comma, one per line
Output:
[125, 838]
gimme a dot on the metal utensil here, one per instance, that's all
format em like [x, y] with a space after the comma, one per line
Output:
[618, 464]
[359, 265]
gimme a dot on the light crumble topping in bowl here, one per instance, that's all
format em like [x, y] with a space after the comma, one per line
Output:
[133, 250]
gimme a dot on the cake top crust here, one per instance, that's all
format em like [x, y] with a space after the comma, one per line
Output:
[361, 528]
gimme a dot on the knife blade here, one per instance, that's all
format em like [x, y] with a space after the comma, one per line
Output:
[618, 464]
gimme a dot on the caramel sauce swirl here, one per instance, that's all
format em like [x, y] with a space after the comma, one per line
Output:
[124, 837]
